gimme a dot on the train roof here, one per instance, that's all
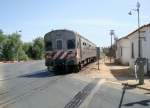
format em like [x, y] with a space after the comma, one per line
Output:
[85, 38]
[72, 32]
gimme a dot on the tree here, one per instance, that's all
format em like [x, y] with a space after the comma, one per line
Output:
[38, 48]
[27, 47]
[109, 52]
[2, 42]
[12, 47]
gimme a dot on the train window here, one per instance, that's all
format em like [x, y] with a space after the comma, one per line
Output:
[71, 44]
[84, 43]
[59, 44]
[48, 46]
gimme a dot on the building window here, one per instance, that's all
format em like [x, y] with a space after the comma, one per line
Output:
[59, 44]
[71, 44]
[132, 52]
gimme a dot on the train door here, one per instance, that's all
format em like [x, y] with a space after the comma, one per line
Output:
[80, 46]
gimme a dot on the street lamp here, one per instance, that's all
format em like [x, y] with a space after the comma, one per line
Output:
[140, 61]
[138, 15]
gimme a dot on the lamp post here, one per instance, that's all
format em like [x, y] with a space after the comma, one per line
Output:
[138, 15]
[140, 61]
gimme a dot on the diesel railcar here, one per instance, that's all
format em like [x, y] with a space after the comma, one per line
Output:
[67, 49]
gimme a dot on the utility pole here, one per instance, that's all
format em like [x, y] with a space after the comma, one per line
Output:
[111, 49]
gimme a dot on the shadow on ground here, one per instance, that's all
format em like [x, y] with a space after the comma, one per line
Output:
[126, 86]
[42, 74]
[141, 102]
[120, 72]
[113, 64]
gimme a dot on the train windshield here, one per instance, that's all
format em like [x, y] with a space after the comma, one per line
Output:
[48, 46]
[71, 44]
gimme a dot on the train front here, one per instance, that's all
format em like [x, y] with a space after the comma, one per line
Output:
[60, 49]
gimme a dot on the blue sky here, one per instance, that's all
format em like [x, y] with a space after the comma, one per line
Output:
[91, 18]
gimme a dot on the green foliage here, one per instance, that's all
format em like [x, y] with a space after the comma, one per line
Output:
[27, 47]
[109, 52]
[38, 48]
[22, 55]
[2, 40]
[12, 47]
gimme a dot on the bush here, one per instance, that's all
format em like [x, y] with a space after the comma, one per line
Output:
[22, 56]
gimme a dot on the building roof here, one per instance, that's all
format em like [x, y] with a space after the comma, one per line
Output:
[126, 37]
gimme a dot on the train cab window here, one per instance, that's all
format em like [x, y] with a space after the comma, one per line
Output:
[59, 44]
[48, 46]
[71, 44]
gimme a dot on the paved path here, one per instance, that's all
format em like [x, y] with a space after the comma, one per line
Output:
[29, 85]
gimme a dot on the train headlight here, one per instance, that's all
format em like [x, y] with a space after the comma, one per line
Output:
[48, 56]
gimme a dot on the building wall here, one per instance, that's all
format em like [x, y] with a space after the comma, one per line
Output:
[129, 45]
[123, 51]
[146, 49]
[145, 46]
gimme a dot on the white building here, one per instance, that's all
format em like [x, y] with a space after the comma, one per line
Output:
[127, 47]
[123, 52]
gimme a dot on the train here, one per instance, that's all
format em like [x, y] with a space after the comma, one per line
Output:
[68, 50]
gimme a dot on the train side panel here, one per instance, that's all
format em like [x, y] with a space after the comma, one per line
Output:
[88, 50]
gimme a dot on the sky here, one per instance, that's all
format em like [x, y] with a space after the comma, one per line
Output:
[93, 19]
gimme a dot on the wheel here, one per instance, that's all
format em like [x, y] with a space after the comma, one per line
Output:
[76, 68]
[59, 70]
[67, 69]
[79, 65]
